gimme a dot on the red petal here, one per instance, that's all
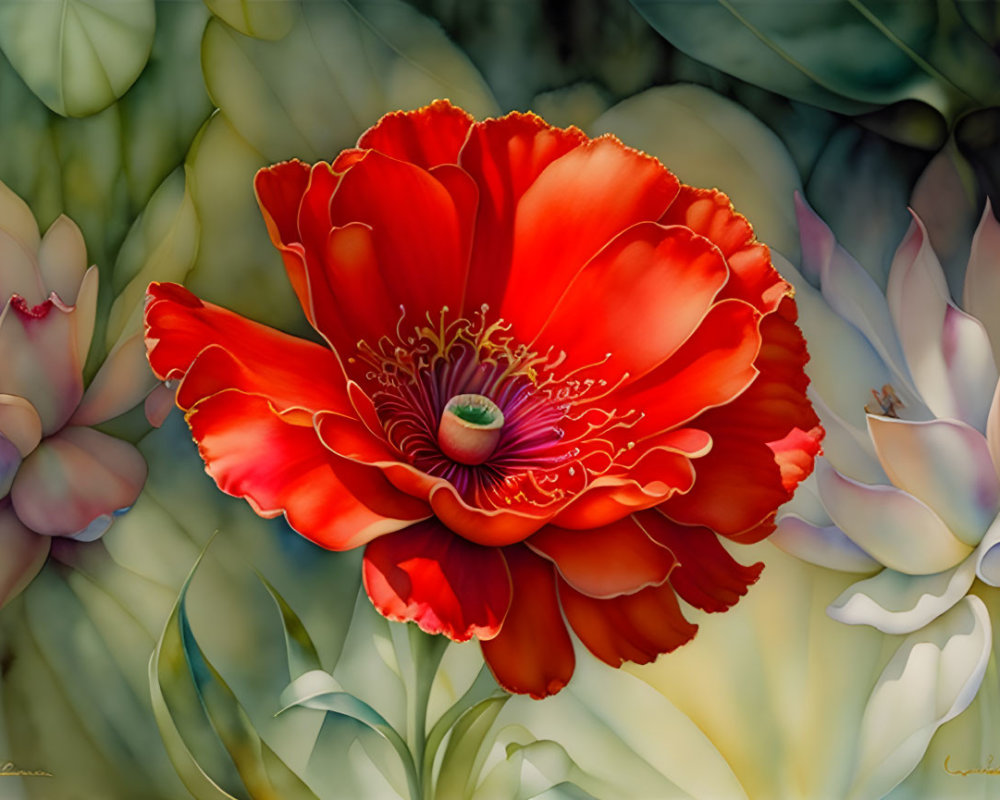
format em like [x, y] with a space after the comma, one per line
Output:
[252, 452]
[605, 562]
[707, 577]
[712, 367]
[426, 137]
[416, 232]
[634, 627]
[637, 300]
[533, 653]
[279, 192]
[708, 212]
[428, 575]
[505, 157]
[577, 205]
[289, 371]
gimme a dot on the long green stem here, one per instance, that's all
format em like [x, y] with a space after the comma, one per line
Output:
[427, 652]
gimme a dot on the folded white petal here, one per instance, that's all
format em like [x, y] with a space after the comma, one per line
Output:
[932, 678]
[825, 546]
[944, 463]
[889, 524]
[947, 351]
[898, 603]
[988, 555]
[981, 294]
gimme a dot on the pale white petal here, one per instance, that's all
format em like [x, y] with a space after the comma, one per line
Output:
[944, 463]
[39, 361]
[24, 553]
[889, 524]
[122, 382]
[62, 259]
[988, 556]
[20, 423]
[932, 678]
[851, 292]
[95, 530]
[981, 293]
[947, 351]
[898, 603]
[824, 546]
[993, 430]
[74, 477]
[848, 448]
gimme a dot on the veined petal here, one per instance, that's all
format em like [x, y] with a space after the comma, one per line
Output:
[707, 577]
[280, 467]
[891, 525]
[981, 292]
[73, 477]
[948, 351]
[944, 463]
[634, 627]
[533, 653]
[289, 371]
[426, 137]
[824, 545]
[614, 305]
[38, 351]
[24, 551]
[619, 558]
[428, 575]
[573, 209]
[897, 603]
[709, 213]
[62, 259]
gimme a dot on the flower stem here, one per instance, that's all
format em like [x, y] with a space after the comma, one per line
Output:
[426, 651]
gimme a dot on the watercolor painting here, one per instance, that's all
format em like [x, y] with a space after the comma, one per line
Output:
[501, 399]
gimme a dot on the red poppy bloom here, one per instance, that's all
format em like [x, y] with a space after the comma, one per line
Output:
[554, 376]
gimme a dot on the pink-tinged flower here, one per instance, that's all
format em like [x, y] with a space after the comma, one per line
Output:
[552, 377]
[58, 476]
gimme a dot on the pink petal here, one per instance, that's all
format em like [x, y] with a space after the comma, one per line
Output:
[159, 403]
[948, 351]
[20, 423]
[40, 361]
[121, 383]
[18, 273]
[945, 464]
[74, 477]
[981, 294]
[62, 259]
[24, 553]
[889, 524]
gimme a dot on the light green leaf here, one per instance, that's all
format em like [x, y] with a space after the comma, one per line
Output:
[78, 57]
[263, 19]
[847, 56]
[709, 141]
[463, 757]
[198, 701]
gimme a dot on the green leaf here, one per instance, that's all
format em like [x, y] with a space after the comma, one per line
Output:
[707, 140]
[78, 57]
[302, 655]
[848, 56]
[463, 757]
[262, 19]
[197, 700]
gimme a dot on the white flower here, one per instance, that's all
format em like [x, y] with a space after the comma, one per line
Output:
[908, 492]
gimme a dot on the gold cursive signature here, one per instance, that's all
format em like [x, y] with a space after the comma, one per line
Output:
[989, 769]
[7, 769]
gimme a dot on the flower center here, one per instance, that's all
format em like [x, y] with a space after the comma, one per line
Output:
[469, 430]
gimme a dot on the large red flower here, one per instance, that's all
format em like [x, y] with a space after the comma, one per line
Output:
[554, 377]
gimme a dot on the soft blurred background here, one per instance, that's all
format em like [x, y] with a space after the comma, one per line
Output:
[145, 121]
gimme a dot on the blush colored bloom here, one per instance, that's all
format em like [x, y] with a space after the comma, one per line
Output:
[551, 378]
[58, 475]
[907, 495]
